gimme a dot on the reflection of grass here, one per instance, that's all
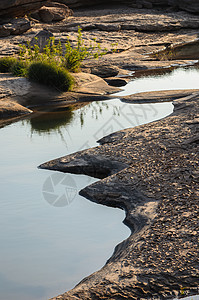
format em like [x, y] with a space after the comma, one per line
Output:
[97, 108]
[51, 121]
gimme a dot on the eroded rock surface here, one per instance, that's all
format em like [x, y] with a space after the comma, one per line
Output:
[9, 109]
[157, 185]
[88, 87]
[18, 8]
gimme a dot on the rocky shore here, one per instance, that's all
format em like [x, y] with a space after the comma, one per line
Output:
[128, 33]
[150, 171]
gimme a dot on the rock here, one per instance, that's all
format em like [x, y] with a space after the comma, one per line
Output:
[19, 8]
[89, 83]
[108, 27]
[41, 39]
[30, 94]
[9, 108]
[105, 71]
[113, 81]
[158, 96]
[188, 5]
[182, 51]
[158, 189]
[15, 27]
[147, 4]
[80, 3]
[52, 12]
[4, 31]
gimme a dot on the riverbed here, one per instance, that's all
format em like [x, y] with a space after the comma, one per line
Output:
[52, 237]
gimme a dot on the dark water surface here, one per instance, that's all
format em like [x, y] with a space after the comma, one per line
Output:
[50, 236]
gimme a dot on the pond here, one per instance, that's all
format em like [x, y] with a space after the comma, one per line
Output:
[48, 243]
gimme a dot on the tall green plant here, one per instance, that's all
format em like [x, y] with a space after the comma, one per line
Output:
[68, 56]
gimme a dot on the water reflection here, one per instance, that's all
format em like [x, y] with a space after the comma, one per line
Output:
[50, 121]
[165, 72]
[46, 250]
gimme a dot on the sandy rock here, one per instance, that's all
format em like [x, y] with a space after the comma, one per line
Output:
[9, 108]
[108, 27]
[52, 12]
[159, 192]
[35, 96]
[182, 51]
[15, 27]
[18, 8]
[89, 83]
[158, 96]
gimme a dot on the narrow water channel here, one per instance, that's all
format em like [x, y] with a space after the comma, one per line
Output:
[49, 246]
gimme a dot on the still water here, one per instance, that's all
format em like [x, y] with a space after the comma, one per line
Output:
[48, 246]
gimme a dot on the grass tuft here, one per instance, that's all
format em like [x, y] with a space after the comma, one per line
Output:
[51, 75]
[6, 64]
[19, 68]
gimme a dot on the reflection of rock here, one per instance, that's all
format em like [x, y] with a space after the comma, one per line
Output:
[52, 121]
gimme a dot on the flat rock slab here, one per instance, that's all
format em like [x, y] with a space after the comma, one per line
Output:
[156, 182]
[88, 88]
[158, 96]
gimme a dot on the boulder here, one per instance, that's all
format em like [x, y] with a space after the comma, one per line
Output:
[41, 39]
[15, 27]
[52, 12]
[188, 5]
[19, 8]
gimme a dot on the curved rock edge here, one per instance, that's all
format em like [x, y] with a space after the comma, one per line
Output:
[160, 258]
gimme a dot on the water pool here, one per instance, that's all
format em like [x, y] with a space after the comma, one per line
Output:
[47, 248]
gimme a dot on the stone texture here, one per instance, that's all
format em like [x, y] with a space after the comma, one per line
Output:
[15, 27]
[52, 12]
[9, 108]
[190, 6]
[182, 51]
[30, 94]
[18, 8]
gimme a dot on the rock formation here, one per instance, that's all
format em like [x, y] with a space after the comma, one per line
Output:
[190, 6]
[19, 8]
[14, 27]
[52, 12]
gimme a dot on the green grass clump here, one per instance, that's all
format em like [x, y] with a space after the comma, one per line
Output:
[19, 68]
[6, 64]
[50, 65]
[51, 75]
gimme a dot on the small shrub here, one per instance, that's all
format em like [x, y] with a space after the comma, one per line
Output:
[19, 68]
[50, 75]
[6, 64]
[69, 55]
